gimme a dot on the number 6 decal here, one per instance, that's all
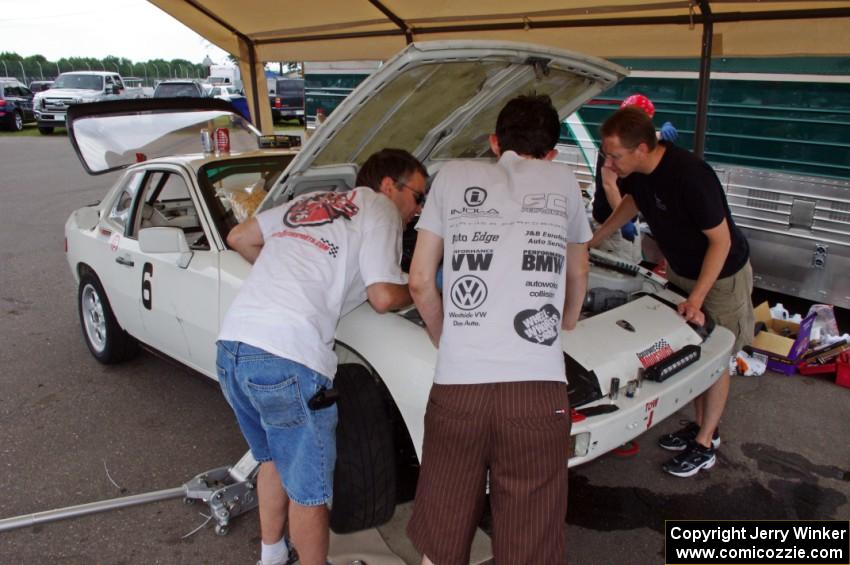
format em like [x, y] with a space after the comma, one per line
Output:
[147, 290]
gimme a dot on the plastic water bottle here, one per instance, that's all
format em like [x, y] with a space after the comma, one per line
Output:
[779, 312]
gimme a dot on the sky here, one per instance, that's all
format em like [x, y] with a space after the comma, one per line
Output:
[134, 29]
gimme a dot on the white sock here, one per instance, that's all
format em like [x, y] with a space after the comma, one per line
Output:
[276, 553]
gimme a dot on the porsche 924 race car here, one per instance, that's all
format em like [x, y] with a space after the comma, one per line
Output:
[153, 267]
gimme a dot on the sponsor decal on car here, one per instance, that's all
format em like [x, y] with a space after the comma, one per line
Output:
[656, 352]
[649, 411]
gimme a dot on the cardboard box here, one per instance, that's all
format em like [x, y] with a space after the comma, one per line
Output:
[783, 342]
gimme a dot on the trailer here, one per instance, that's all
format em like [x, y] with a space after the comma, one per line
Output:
[779, 139]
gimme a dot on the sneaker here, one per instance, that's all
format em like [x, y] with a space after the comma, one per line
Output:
[694, 459]
[678, 441]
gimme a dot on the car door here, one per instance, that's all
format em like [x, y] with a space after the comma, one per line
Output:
[178, 305]
[119, 269]
[23, 100]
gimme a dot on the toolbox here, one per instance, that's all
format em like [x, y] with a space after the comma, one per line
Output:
[841, 368]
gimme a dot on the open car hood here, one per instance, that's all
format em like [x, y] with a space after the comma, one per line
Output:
[439, 100]
[115, 134]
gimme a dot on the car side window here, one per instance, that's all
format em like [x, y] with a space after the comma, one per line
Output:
[121, 209]
[165, 201]
[119, 83]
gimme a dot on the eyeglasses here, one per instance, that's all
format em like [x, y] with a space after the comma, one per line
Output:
[419, 196]
[616, 157]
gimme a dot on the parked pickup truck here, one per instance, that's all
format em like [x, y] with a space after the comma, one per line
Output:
[287, 100]
[76, 87]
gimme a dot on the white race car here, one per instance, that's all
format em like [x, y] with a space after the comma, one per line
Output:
[154, 269]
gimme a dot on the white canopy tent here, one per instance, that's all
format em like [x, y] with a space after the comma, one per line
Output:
[256, 31]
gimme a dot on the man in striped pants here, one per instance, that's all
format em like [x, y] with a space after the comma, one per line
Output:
[512, 235]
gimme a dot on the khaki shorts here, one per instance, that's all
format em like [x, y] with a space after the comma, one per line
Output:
[729, 302]
[520, 432]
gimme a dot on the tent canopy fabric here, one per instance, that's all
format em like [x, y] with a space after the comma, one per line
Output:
[256, 31]
[335, 30]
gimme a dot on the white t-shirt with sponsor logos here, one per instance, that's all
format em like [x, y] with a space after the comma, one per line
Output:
[505, 229]
[320, 253]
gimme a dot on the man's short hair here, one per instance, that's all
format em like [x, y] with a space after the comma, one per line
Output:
[397, 164]
[528, 125]
[632, 126]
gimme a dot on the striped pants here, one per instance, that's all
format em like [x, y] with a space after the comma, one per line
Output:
[520, 433]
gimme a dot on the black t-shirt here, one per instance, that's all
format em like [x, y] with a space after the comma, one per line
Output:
[679, 199]
[601, 206]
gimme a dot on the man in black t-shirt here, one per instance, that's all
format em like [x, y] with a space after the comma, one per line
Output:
[683, 202]
[625, 243]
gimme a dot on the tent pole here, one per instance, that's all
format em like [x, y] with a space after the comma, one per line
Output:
[704, 79]
[252, 62]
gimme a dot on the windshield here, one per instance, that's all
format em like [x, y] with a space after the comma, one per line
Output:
[290, 87]
[233, 189]
[83, 82]
[108, 142]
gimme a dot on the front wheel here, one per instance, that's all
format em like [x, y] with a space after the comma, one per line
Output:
[18, 122]
[45, 130]
[365, 473]
[106, 340]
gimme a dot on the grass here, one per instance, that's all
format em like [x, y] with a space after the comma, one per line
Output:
[30, 130]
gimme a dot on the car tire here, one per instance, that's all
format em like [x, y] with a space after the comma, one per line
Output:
[365, 473]
[17, 122]
[45, 130]
[106, 340]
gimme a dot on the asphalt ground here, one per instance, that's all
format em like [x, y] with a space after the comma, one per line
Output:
[74, 431]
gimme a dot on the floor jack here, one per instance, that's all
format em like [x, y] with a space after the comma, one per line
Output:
[229, 492]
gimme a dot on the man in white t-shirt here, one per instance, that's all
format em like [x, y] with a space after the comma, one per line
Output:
[512, 238]
[315, 259]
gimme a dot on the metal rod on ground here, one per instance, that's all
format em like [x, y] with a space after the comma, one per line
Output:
[90, 508]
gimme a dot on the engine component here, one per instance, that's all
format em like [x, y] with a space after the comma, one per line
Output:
[601, 299]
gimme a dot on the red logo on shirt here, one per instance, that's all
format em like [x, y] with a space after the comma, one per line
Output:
[321, 209]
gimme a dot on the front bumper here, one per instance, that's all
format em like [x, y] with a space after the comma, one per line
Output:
[287, 113]
[54, 119]
[652, 403]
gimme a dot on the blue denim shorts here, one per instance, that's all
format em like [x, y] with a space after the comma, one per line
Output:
[269, 396]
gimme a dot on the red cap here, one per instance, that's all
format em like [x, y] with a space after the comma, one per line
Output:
[641, 102]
